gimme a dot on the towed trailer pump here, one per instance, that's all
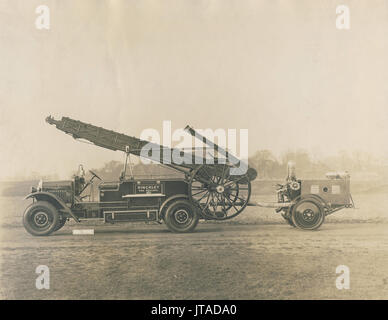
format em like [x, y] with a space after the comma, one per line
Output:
[305, 203]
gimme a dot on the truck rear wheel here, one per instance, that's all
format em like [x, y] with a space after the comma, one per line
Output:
[308, 214]
[40, 218]
[181, 216]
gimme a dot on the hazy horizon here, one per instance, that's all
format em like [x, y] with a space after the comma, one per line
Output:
[280, 69]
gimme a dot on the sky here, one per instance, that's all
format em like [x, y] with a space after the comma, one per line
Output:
[280, 69]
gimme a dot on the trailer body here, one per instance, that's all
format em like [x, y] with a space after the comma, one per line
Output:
[335, 192]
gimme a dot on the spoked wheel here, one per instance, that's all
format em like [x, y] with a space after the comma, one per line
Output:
[308, 214]
[218, 194]
[40, 218]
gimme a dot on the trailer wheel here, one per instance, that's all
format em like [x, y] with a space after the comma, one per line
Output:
[308, 214]
[40, 218]
[181, 216]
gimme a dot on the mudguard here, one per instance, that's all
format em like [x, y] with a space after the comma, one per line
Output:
[313, 196]
[47, 196]
[176, 196]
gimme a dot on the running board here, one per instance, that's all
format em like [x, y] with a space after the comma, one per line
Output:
[131, 215]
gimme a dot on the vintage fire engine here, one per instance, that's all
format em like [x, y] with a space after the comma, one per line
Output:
[205, 191]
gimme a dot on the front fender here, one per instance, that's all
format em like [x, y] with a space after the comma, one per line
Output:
[47, 196]
[169, 199]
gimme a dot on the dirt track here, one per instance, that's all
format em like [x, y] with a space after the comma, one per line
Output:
[218, 261]
[254, 256]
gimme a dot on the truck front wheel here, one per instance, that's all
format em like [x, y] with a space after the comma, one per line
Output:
[181, 216]
[61, 222]
[40, 218]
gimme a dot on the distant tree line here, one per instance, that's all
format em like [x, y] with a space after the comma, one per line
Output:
[360, 165]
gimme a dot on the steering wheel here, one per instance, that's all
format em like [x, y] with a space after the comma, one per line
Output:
[94, 174]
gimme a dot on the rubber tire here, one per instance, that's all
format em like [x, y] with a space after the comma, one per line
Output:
[321, 217]
[170, 220]
[289, 222]
[288, 219]
[61, 222]
[45, 207]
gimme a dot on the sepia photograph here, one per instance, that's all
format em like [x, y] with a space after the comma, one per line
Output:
[193, 151]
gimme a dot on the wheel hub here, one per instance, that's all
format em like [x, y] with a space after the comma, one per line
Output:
[220, 189]
[308, 215]
[41, 219]
[181, 216]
